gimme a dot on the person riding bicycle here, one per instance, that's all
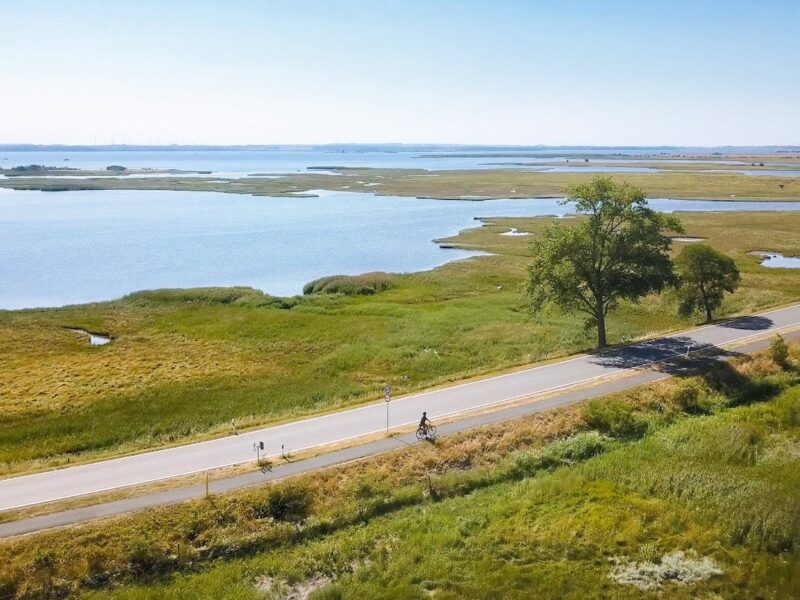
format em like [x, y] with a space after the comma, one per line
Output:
[424, 422]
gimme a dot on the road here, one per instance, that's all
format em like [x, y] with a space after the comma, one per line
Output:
[369, 419]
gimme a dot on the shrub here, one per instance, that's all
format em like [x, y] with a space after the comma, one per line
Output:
[614, 417]
[291, 504]
[687, 395]
[779, 351]
[759, 390]
[148, 560]
[693, 397]
[116, 168]
[351, 285]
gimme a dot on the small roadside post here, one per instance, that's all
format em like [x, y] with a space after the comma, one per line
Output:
[388, 392]
[257, 448]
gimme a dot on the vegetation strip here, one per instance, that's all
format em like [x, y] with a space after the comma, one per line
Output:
[476, 185]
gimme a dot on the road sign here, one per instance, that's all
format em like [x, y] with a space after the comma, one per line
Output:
[388, 390]
[257, 448]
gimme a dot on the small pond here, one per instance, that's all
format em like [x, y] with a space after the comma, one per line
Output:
[777, 260]
[687, 239]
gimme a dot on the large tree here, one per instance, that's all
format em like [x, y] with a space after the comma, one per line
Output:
[617, 250]
[706, 276]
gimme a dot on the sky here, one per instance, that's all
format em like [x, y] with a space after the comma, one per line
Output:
[413, 71]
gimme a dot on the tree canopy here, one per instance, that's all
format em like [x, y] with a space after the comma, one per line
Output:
[617, 250]
[706, 275]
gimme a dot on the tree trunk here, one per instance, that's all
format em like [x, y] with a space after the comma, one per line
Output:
[708, 313]
[601, 330]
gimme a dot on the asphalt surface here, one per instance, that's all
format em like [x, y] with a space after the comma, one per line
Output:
[336, 427]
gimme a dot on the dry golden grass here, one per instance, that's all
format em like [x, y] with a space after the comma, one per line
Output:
[54, 368]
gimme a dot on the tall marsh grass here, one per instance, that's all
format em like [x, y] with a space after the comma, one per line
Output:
[351, 285]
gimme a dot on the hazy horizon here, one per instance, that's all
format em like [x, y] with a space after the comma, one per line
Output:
[399, 146]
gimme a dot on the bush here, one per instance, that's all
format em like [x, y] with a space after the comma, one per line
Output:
[687, 395]
[351, 285]
[116, 168]
[779, 351]
[615, 418]
[291, 504]
[693, 397]
[148, 560]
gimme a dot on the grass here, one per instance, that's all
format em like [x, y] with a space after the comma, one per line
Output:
[491, 183]
[350, 285]
[543, 506]
[183, 363]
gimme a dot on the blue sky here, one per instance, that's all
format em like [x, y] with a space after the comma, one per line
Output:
[299, 71]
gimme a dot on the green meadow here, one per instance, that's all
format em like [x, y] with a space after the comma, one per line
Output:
[686, 488]
[183, 363]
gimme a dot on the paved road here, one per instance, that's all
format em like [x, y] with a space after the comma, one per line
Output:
[349, 424]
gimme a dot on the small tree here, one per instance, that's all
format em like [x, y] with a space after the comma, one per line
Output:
[706, 276]
[779, 351]
[618, 251]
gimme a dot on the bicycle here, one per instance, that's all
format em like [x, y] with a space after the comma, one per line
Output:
[427, 432]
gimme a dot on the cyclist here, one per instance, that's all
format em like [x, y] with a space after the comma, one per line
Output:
[424, 422]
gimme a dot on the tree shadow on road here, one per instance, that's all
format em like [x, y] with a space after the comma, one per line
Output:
[670, 355]
[748, 323]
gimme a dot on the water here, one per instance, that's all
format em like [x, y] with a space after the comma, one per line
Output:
[239, 163]
[244, 162]
[94, 338]
[777, 260]
[73, 247]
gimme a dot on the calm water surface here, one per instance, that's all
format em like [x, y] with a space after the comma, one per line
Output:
[72, 247]
[776, 260]
[240, 163]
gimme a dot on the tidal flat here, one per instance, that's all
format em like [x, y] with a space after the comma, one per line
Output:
[455, 176]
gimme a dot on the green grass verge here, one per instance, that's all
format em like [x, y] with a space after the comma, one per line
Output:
[725, 488]
[707, 496]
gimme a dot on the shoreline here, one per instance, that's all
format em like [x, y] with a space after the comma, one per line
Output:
[467, 184]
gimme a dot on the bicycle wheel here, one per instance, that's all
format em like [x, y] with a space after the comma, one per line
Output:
[420, 434]
[431, 430]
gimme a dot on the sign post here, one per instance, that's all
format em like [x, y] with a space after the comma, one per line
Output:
[258, 447]
[388, 391]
